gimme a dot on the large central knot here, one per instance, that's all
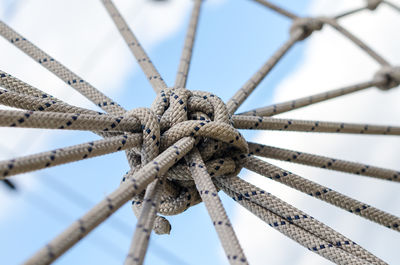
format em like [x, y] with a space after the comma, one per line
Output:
[177, 113]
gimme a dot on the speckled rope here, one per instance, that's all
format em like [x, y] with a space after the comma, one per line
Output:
[111, 203]
[296, 224]
[267, 123]
[323, 162]
[187, 140]
[59, 70]
[27, 97]
[286, 106]
[209, 195]
[144, 61]
[241, 95]
[69, 154]
[187, 50]
[321, 192]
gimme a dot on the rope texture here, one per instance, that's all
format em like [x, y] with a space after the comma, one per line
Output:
[187, 147]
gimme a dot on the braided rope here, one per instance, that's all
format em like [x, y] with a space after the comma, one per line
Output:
[186, 147]
[144, 61]
[321, 192]
[59, 70]
[323, 162]
[296, 224]
[283, 107]
[267, 123]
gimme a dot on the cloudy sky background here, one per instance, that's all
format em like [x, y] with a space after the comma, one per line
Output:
[234, 39]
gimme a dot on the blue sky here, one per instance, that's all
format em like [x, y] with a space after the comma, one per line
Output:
[234, 39]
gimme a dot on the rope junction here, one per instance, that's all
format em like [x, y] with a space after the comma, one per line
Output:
[187, 147]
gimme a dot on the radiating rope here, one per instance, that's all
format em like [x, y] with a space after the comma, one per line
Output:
[267, 123]
[59, 70]
[111, 203]
[277, 9]
[241, 95]
[27, 97]
[309, 100]
[184, 63]
[214, 147]
[209, 195]
[69, 154]
[321, 192]
[323, 162]
[136, 48]
[296, 224]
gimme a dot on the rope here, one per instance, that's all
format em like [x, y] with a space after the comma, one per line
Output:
[241, 95]
[186, 147]
[69, 154]
[144, 61]
[321, 192]
[323, 162]
[283, 107]
[184, 64]
[355, 40]
[296, 224]
[136, 184]
[267, 123]
[24, 96]
[277, 9]
[59, 70]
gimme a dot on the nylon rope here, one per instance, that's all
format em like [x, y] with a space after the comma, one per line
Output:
[187, 147]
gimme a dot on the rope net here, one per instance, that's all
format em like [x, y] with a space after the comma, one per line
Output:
[187, 147]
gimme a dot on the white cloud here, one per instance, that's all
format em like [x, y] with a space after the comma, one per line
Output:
[332, 62]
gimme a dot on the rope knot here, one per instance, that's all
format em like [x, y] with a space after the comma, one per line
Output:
[373, 4]
[390, 76]
[307, 25]
[177, 113]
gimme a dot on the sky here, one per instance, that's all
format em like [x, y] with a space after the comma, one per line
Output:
[234, 39]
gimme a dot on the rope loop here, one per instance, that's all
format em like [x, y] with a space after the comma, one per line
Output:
[177, 113]
[307, 25]
[390, 75]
